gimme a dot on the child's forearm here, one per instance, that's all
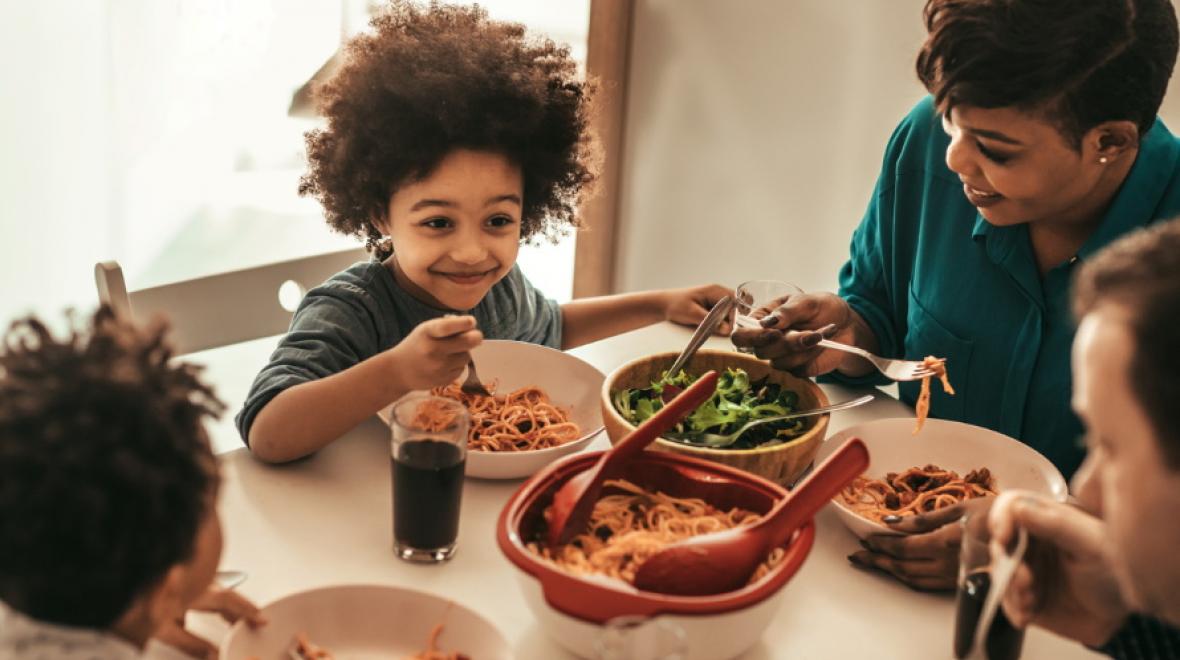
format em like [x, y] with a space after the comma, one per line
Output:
[307, 417]
[591, 319]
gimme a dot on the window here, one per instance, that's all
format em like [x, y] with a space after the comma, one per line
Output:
[157, 133]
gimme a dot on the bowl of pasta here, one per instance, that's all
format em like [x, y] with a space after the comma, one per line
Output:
[748, 389]
[544, 405]
[946, 463]
[657, 499]
[366, 621]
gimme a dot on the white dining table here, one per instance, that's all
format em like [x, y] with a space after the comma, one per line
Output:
[326, 520]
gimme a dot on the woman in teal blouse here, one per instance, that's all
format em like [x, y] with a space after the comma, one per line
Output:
[1039, 145]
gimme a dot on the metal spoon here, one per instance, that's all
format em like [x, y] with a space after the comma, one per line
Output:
[715, 440]
[715, 316]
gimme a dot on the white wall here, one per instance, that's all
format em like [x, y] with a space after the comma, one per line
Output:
[54, 186]
[755, 130]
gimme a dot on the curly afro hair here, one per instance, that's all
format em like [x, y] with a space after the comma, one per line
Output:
[428, 80]
[105, 470]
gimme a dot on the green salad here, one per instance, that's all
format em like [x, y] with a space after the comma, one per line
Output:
[736, 402]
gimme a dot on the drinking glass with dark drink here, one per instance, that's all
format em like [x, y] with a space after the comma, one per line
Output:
[1003, 640]
[427, 456]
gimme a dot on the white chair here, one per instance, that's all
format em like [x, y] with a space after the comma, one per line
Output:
[225, 308]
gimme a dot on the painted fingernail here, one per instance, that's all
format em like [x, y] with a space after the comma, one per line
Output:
[855, 560]
[811, 340]
[891, 519]
[865, 544]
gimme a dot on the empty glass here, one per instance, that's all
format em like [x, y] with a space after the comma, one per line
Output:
[756, 298]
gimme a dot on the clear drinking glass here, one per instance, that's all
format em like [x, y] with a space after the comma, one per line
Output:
[428, 453]
[756, 298]
[1003, 641]
[641, 638]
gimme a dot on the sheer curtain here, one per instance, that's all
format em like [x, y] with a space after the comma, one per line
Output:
[157, 132]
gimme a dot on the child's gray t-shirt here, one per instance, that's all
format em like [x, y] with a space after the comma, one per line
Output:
[361, 311]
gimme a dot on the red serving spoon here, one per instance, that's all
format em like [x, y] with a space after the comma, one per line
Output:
[574, 501]
[724, 561]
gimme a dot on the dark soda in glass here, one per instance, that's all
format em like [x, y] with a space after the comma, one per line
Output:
[1003, 641]
[427, 489]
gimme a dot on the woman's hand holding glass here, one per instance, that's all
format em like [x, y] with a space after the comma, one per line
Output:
[791, 329]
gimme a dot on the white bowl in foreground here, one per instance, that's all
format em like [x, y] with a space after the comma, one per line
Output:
[709, 637]
[366, 621]
[570, 383]
[893, 447]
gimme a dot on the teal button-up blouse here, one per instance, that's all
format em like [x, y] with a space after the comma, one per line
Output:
[932, 277]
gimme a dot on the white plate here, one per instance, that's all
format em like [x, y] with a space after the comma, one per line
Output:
[893, 447]
[363, 622]
[570, 383]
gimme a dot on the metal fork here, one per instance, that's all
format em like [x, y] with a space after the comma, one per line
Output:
[893, 369]
[472, 384]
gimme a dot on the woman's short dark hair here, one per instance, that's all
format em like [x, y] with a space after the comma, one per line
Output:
[428, 80]
[1077, 63]
[1141, 273]
[105, 470]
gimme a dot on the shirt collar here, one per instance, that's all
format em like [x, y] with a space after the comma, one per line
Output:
[982, 227]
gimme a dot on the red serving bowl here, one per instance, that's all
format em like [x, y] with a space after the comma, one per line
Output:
[573, 608]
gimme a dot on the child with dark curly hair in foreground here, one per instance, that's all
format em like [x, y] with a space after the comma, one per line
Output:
[107, 495]
[451, 139]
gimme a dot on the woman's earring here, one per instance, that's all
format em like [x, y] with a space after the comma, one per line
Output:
[1102, 160]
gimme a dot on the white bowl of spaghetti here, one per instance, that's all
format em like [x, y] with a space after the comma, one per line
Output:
[544, 406]
[944, 464]
[367, 621]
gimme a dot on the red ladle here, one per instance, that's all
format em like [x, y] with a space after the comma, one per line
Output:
[574, 501]
[724, 561]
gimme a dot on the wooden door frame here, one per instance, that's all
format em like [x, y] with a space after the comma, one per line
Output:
[608, 50]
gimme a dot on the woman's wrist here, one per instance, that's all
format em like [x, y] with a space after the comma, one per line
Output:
[856, 332]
